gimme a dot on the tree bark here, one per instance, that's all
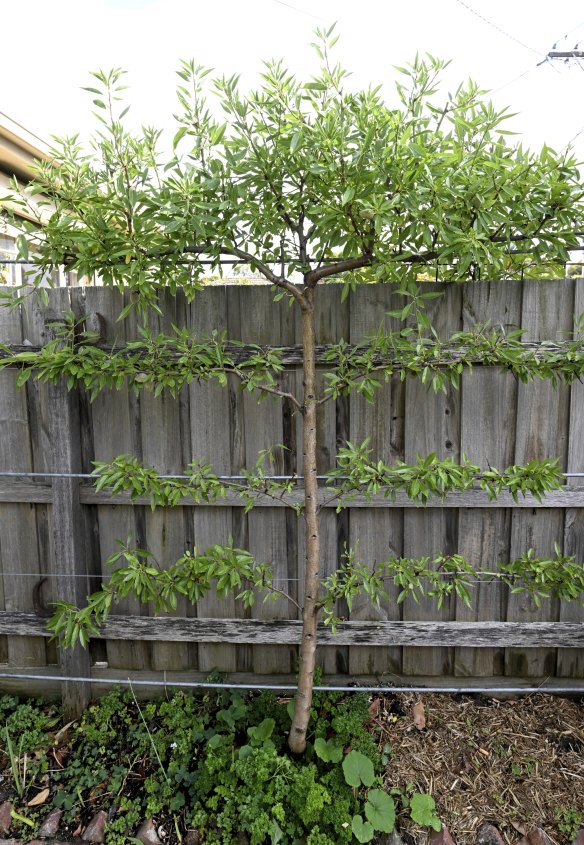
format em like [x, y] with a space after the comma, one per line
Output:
[297, 738]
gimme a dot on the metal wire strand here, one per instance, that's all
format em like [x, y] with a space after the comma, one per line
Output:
[15, 474]
[555, 690]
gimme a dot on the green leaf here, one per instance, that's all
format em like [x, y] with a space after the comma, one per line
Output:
[380, 810]
[277, 835]
[180, 134]
[422, 811]
[22, 248]
[358, 769]
[363, 831]
[263, 731]
[328, 750]
[295, 141]
[347, 196]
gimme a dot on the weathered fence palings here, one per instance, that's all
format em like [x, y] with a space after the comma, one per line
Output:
[453, 425]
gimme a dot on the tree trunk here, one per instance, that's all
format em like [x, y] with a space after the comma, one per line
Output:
[297, 738]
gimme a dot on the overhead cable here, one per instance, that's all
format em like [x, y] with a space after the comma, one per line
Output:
[498, 28]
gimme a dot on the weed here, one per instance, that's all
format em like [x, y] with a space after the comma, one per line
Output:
[569, 821]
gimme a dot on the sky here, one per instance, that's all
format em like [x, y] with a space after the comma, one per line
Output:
[50, 48]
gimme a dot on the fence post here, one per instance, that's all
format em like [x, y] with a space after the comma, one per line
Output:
[69, 557]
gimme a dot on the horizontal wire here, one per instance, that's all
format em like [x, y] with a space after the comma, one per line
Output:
[488, 573]
[232, 262]
[91, 475]
[17, 474]
[292, 687]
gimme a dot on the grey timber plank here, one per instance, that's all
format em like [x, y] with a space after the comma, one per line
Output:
[542, 432]
[473, 498]
[571, 663]
[374, 534]
[432, 424]
[37, 397]
[116, 431]
[291, 356]
[527, 635]
[89, 514]
[266, 321]
[19, 546]
[211, 432]
[488, 408]
[69, 562]
[162, 437]
[25, 490]
[331, 324]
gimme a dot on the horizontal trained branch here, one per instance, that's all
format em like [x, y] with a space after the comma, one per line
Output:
[356, 474]
[169, 362]
[564, 497]
[288, 632]
[228, 570]
[37, 492]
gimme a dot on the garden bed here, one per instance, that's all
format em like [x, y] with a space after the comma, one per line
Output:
[214, 768]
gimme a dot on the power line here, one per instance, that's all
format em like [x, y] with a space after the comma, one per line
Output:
[516, 78]
[498, 28]
[20, 126]
[570, 31]
[297, 9]
[577, 135]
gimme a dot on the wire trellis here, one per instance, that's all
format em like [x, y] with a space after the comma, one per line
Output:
[17, 474]
[285, 687]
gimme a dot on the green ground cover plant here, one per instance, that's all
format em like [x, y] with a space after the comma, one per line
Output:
[217, 763]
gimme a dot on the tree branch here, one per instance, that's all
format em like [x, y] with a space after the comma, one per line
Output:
[282, 593]
[343, 266]
[279, 281]
[266, 388]
[242, 489]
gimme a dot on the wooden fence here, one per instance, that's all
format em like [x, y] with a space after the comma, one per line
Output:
[56, 532]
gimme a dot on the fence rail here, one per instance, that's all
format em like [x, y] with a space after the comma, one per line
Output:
[62, 530]
[288, 632]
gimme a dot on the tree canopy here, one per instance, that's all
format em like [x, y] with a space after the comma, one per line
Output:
[309, 173]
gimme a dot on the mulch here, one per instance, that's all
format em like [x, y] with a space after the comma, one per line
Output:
[515, 763]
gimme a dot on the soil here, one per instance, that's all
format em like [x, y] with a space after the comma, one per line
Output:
[516, 763]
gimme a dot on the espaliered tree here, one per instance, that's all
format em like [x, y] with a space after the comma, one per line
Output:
[305, 182]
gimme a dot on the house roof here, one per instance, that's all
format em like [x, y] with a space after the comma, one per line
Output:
[19, 148]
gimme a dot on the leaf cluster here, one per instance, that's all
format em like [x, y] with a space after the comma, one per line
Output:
[440, 363]
[170, 362]
[431, 476]
[155, 362]
[558, 576]
[199, 484]
[223, 568]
